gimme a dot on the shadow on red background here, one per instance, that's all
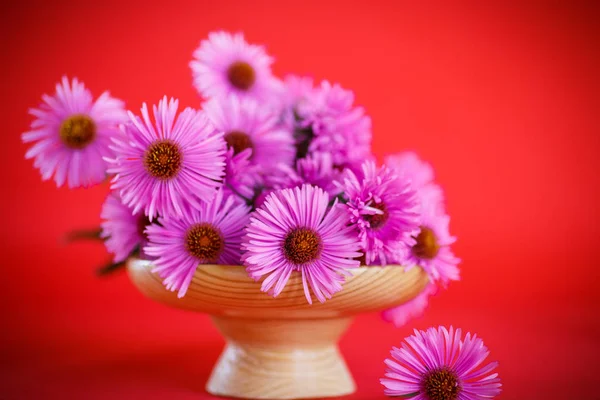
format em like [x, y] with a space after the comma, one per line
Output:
[502, 99]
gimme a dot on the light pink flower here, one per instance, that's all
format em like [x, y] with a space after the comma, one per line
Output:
[72, 134]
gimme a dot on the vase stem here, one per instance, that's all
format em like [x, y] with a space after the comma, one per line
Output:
[281, 359]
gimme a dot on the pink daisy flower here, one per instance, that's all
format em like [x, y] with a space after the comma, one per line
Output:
[295, 231]
[122, 230]
[161, 167]
[438, 364]
[431, 250]
[419, 173]
[210, 234]
[72, 134]
[226, 64]
[247, 125]
[384, 210]
[331, 124]
[415, 308]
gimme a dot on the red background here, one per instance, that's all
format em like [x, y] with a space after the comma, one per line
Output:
[502, 99]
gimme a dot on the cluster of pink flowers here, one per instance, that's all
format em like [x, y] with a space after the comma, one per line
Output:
[275, 174]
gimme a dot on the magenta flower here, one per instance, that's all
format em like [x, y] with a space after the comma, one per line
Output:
[122, 230]
[161, 167]
[226, 64]
[210, 234]
[384, 211]
[247, 125]
[298, 92]
[432, 248]
[295, 231]
[241, 178]
[438, 364]
[316, 169]
[415, 308]
[329, 123]
[72, 134]
[419, 173]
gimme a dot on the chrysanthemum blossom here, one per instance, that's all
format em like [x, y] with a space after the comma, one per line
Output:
[226, 64]
[163, 166]
[409, 167]
[209, 234]
[438, 364]
[122, 230]
[248, 125]
[384, 210]
[72, 134]
[415, 308]
[316, 169]
[431, 250]
[295, 230]
[330, 123]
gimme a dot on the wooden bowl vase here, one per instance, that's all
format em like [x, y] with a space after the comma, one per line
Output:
[281, 348]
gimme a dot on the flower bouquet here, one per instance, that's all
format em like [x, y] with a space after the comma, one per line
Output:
[265, 208]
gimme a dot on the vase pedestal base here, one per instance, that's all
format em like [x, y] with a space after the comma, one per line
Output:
[281, 359]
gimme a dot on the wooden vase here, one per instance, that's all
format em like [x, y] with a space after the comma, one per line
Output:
[281, 348]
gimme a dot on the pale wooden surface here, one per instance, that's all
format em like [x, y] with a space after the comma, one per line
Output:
[282, 359]
[227, 290]
[281, 348]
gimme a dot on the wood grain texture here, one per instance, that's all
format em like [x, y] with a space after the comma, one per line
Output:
[283, 359]
[227, 290]
[284, 347]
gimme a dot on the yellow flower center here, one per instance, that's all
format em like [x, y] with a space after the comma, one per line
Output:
[163, 159]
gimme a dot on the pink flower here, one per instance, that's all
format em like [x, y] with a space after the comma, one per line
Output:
[316, 169]
[295, 231]
[248, 125]
[164, 166]
[241, 178]
[438, 364]
[431, 250]
[226, 64]
[419, 173]
[210, 234]
[329, 123]
[72, 134]
[122, 230]
[383, 209]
